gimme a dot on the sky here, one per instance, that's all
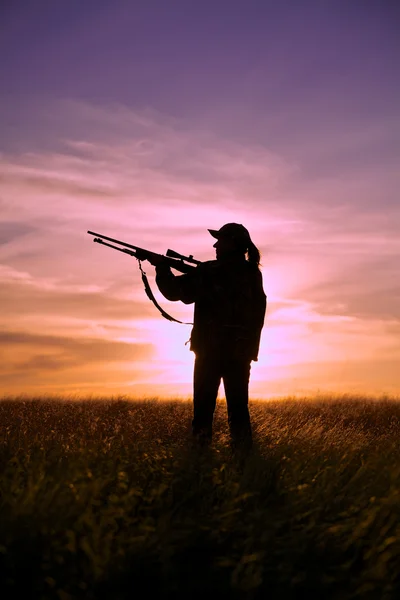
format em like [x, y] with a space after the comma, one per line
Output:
[152, 121]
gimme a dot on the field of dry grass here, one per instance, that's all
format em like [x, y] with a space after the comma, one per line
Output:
[105, 498]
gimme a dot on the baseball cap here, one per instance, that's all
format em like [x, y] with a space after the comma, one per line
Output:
[236, 232]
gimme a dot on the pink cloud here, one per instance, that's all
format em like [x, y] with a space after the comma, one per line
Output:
[154, 182]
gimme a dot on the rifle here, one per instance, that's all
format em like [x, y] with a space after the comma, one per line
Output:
[171, 258]
[183, 264]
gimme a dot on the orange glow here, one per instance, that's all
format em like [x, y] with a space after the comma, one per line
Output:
[75, 317]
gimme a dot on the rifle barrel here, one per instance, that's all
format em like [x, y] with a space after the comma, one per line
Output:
[110, 239]
[125, 250]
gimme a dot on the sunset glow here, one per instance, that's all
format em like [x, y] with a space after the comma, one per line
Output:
[301, 152]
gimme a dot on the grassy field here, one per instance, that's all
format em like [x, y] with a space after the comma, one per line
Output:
[108, 499]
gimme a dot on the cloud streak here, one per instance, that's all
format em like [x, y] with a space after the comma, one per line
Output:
[330, 267]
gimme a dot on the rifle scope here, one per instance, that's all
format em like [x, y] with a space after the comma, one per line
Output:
[173, 254]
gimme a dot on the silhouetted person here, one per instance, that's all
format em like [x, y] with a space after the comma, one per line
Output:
[229, 315]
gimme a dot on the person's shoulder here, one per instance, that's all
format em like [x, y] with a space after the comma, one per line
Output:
[205, 269]
[208, 265]
[253, 273]
[251, 268]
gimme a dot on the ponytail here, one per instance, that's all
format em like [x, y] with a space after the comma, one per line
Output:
[253, 254]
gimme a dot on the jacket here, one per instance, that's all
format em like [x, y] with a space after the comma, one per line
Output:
[229, 310]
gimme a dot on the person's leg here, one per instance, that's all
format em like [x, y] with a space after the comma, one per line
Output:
[236, 375]
[206, 382]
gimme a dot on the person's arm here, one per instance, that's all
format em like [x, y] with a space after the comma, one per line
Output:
[257, 315]
[176, 287]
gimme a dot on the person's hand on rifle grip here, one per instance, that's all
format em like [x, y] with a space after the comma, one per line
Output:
[157, 260]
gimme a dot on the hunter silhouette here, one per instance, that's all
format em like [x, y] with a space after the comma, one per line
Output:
[229, 313]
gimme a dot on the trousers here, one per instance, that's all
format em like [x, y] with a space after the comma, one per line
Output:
[235, 373]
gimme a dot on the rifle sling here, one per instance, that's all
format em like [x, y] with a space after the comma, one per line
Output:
[151, 297]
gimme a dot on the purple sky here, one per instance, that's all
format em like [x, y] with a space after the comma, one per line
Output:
[156, 120]
[313, 61]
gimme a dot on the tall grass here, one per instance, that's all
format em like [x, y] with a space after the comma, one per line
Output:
[108, 499]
